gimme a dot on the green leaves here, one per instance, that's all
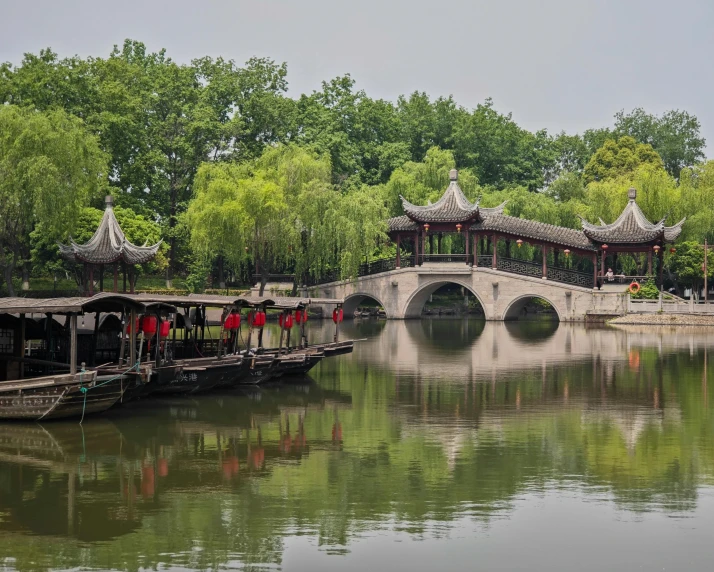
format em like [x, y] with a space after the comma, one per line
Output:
[50, 167]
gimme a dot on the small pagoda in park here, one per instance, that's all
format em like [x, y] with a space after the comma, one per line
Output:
[631, 233]
[108, 247]
[421, 229]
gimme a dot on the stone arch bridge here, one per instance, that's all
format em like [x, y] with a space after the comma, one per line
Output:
[402, 292]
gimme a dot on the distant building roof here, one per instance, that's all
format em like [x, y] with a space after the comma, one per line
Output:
[109, 244]
[631, 227]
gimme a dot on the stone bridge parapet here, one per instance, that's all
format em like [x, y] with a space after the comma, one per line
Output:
[502, 295]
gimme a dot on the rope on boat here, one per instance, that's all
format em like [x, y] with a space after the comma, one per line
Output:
[85, 389]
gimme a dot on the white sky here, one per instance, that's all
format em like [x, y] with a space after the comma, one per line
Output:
[556, 64]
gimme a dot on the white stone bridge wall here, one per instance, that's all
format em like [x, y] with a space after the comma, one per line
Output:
[502, 295]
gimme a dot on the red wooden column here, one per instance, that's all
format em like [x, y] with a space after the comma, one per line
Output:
[416, 249]
[594, 270]
[494, 243]
[423, 243]
[544, 251]
[116, 278]
[475, 253]
[466, 243]
[399, 243]
[660, 258]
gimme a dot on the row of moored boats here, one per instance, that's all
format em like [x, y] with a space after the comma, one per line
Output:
[140, 345]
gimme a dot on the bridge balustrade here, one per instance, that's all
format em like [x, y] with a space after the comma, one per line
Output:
[462, 258]
[511, 265]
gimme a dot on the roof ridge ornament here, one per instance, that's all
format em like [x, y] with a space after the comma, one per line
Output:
[453, 175]
[632, 194]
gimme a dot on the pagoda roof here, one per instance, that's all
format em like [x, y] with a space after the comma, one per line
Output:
[631, 227]
[453, 206]
[109, 244]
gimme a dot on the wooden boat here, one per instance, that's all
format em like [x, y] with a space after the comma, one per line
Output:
[60, 396]
[49, 385]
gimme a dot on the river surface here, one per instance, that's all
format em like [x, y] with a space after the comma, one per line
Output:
[437, 445]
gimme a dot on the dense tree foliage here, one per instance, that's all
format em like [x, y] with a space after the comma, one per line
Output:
[50, 167]
[208, 148]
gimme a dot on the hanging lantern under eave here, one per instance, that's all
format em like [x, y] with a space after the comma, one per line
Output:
[458, 227]
[566, 252]
[426, 227]
[604, 247]
[656, 248]
[672, 250]
[519, 242]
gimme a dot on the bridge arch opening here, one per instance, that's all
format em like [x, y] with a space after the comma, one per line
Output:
[363, 305]
[444, 298]
[530, 307]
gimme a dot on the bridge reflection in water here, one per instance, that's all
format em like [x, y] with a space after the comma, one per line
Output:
[430, 425]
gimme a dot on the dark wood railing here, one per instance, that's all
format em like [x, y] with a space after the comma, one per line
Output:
[461, 258]
[511, 265]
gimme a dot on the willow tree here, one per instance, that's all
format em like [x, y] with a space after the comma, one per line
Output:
[50, 167]
[281, 212]
[271, 211]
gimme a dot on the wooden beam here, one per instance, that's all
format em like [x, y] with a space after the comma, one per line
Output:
[494, 244]
[399, 246]
[73, 344]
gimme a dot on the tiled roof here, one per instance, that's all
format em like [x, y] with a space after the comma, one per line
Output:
[108, 244]
[401, 224]
[631, 226]
[453, 206]
[534, 230]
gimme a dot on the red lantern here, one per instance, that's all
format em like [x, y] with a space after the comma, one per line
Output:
[672, 250]
[337, 315]
[300, 316]
[148, 325]
[656, 248]
[605, 247]
[136, 327]
[164, 328]
[458, 227]
[232, 322]
[426, 227]
[288, 321]
[519, 242]
[567, 252]
[256, 319]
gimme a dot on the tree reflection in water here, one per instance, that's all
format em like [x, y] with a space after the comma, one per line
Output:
[376, 439]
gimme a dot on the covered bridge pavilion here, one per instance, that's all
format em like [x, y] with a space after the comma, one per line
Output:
[421, 229]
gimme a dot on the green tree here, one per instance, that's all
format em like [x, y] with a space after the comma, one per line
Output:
[675, 135]
[51, 167]
[617, 158]
[687, 265]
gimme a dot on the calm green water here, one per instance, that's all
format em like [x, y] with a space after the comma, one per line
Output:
[436, 445]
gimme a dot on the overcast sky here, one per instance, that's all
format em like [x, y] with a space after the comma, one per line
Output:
[556, 64]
